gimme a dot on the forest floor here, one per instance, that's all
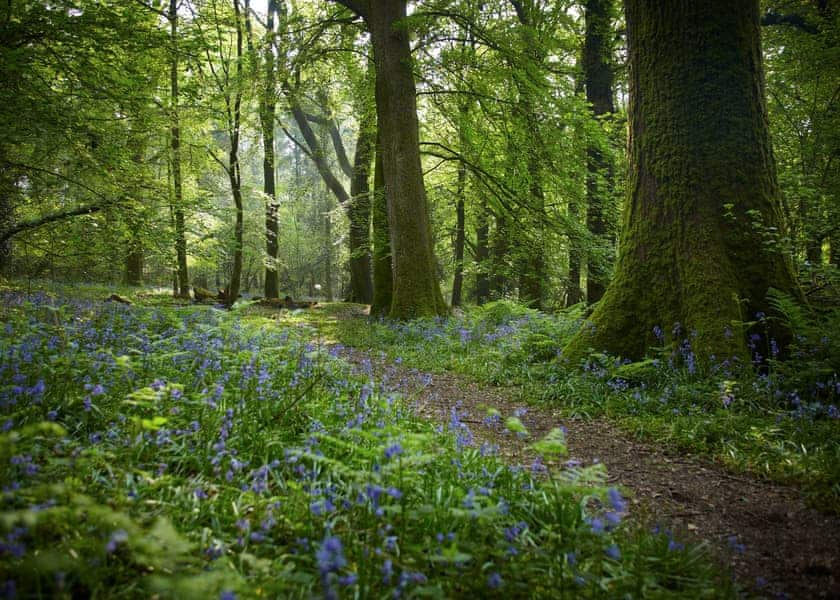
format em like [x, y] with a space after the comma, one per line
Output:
[775, 545]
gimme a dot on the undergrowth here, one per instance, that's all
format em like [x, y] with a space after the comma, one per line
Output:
[189, 452]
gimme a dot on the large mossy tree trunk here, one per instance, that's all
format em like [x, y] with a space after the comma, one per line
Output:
[416, 290]
[598, 80]
[698, 234]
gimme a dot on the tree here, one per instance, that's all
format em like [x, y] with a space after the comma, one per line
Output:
[268, 109]
[227, 74]
[598, 76]
[416, 290]
[183, 280]
[74, 75]
[701, 233]
[383, 274]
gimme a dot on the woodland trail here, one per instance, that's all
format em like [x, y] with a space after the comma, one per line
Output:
[776, 546]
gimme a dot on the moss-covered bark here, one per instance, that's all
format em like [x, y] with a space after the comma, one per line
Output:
[416, 288]
[361, 284]
[383, 278]
[697, 245]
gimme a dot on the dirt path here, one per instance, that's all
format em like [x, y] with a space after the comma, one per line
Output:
[777, 546]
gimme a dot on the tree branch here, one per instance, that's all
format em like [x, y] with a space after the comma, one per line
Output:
[794, 20]
[357, 7]
[52, 218]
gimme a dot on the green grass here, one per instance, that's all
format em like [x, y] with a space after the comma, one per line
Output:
[188, 452]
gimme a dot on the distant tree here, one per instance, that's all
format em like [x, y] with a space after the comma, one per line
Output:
[701, 240]
[182, 289]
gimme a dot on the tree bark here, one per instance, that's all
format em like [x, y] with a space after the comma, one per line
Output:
[134, 259]
[268, 106]
[358, 211]
[460, 235]
[598, 74]
[703, 194]
[574, 293]
[416, 290]
[500, 282]
[175, 143]
[482, 255]
[234, 169]
[532, 275]
[383, 276]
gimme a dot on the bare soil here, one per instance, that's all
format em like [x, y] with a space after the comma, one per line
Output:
[774, 544]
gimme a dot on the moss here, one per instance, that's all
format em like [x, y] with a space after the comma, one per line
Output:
[643, 371]
[702, 170]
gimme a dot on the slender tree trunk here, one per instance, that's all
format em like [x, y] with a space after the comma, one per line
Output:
[598, 73]
[268, 107]
[482, 255]
[134, 259]
[532, 275]
[175, 142]
[460, 225]
[358, 211]
[7, 212]
[500, 282]
[693, 249]
[328, 245]
[234, 168]
[574, 293]
[383, 276]
[416, 289]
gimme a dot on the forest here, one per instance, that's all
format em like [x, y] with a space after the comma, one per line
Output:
[419, 299]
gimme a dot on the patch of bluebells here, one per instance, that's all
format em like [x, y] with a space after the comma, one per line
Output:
[339, 468]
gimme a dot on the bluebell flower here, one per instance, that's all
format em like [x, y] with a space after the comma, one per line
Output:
[120, 536]
[393, 450]
[494, 580]
[616, 500]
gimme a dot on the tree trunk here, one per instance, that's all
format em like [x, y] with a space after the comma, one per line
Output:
[482, 255]
[234, 168]
[268, 108]
[328, 245]
[416, 289]
[458, 279]
[574, 293]
[383, 276]
[175, 132]
[358, 211]
[532, 275]
[134, 259]
[598, 74]
[8, 192]
[703, 189]
[500, 282]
